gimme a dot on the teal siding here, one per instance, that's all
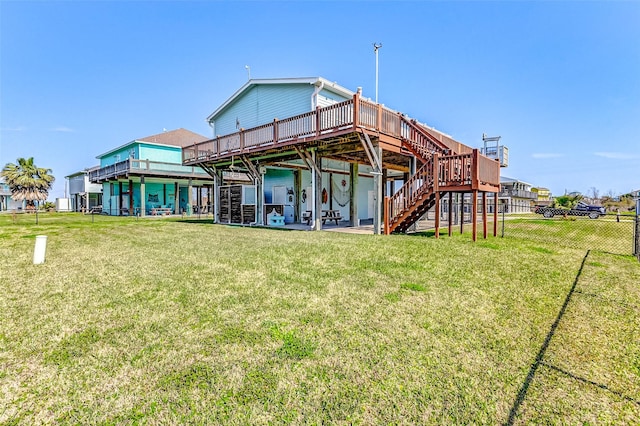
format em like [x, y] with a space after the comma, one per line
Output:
[166, 154]
[262, 103]
[119, 155]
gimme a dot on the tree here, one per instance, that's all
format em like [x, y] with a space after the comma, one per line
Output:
[568, 201]
[27, 181]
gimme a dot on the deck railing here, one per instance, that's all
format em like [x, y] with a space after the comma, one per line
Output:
[453, 171]
[323, 121]
[135, 166]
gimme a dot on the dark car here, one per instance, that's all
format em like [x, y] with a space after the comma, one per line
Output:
[594, 211]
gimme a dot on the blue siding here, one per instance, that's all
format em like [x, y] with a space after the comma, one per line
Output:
[326, 98]
[262, 103]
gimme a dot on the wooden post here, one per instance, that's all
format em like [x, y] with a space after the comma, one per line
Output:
[386, 215]
[120, 198]
[353, 187]
[189, 197]
[143, 196]
[297, 190]
[436, 189]
[317, 184]
[450, 213]
[176, 198]
[461, 212]
[377, 194]
[475, 174]
[130, 197]
[318, 121]
[379, 118]
[484, 214]
[474, 213]
[259, 182]
[356, 112]
[275, 130]
[495, 214]
[437, 214]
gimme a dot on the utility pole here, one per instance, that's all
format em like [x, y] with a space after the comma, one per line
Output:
[376, 46]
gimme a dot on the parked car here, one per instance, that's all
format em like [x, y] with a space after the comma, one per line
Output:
[581, 209]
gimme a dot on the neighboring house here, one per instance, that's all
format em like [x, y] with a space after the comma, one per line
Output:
[315, 151]
[6, 202]
[85, 196]
[146, 177]
[543, 196]
[517, 196]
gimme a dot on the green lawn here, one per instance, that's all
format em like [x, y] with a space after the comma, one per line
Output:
[158, 321]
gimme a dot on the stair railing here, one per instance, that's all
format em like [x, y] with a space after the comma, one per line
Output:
[424, 144]
[415, 187]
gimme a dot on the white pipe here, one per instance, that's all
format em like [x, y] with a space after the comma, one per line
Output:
[314, 96]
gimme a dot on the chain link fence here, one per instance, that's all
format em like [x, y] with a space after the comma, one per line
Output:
[612, 232]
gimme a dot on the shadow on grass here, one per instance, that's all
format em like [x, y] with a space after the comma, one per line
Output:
[591, 382]
[522, 393]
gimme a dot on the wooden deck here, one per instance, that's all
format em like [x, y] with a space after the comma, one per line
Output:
[348, 131]
[335, 130]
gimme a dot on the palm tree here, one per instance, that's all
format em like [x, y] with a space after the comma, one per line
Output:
[27, 181]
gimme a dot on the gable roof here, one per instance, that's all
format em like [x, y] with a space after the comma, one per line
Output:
[179, 137]
[316, 81]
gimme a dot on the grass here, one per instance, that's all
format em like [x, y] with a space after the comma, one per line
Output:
[159, 321]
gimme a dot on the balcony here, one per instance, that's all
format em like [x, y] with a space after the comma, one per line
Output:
[133, 167]
[518, 193]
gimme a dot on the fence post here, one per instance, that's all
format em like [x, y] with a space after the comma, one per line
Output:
[503, 209]
[636, 250]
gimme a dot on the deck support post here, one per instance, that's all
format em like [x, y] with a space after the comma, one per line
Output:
[436, 189]
[119, 198]
[130, 197]
[387, 228]
[484, 214]
[190, 197]
[143, 196]
[413, 165]
[450, 212]
[297, 190]
[259, 180]
[176, 198]
[353, 202]
[474, 214]
[316, 182]
[217, 180]
[437, 220]
[377, 191]
[495, 214]
[461, 212]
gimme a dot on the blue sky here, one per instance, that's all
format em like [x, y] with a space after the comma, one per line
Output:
[559, 81]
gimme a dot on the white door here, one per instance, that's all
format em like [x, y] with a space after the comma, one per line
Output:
[279, 194]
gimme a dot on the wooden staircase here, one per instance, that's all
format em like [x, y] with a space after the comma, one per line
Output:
[418, 194]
